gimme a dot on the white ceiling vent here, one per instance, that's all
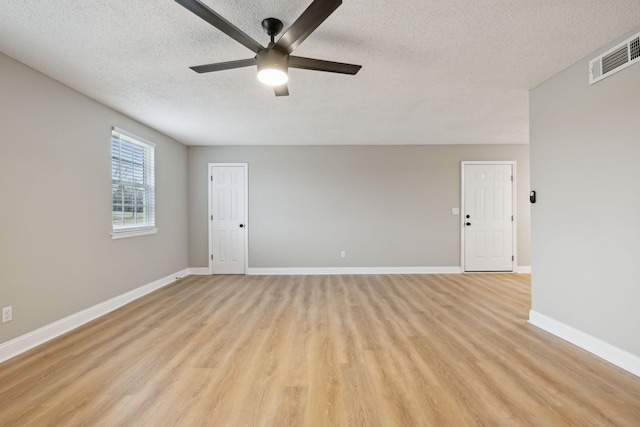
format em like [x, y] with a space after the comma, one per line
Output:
[615, 59]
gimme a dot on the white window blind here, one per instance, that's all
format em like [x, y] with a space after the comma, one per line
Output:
[132, 184]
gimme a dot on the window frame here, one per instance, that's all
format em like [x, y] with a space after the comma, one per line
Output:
[147, 186]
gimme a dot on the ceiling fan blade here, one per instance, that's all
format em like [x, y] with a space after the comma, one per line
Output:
[320, 65]
[310, 19]
[204, 12]
[207, 68]
[282, 90]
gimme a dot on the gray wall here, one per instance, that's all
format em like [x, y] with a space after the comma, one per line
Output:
[585, 148]
[56, 253]
[387, 206]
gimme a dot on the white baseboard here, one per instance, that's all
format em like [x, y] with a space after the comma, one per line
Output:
[610, 353]
[46, 333]
[351, 270]
[199, 271]
[523, 269]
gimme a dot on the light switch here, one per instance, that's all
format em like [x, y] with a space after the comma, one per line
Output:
[455, 211]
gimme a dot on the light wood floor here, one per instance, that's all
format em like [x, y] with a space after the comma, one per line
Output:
[319, 350]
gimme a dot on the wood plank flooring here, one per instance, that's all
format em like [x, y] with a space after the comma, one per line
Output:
[406, 350]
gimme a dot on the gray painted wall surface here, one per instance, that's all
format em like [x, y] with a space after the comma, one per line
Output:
[387, 206]
[56, 253]
[585, 148]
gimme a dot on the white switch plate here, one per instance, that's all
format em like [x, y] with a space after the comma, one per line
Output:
[343, 254]
[7, 314]
[455, 211]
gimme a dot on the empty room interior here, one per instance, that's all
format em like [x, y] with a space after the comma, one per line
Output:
[358, 213]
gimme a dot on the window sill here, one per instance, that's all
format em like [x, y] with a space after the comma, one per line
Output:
[123, 234]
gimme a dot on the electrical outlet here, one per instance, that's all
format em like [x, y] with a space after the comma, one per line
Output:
[343, 254]
[7, 314]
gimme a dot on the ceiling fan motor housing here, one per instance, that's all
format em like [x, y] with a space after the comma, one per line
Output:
[272, 59]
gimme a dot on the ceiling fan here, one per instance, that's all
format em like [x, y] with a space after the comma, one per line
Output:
[274, 60]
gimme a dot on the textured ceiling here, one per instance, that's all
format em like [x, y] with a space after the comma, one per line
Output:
[434, 71]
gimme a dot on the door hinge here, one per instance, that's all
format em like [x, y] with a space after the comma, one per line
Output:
[212, 178]
[513, 258]
[211, 257]
[511, 177]
[212, 218]
[511, 218]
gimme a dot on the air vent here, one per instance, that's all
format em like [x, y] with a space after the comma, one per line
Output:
[615, 59]
[635, 48]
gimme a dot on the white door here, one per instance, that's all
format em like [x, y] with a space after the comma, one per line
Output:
[488, 217]
[228, 219]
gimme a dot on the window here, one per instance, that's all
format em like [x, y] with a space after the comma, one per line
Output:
[132, 185]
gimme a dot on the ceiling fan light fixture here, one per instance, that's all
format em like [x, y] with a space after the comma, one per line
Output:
[272, 67]
[273, 76]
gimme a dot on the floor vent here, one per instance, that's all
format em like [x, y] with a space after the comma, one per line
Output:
[615, 59]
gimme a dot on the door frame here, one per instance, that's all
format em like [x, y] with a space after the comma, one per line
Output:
[514, 223]
[210, 211]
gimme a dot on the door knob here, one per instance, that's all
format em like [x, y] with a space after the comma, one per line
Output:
[241, 225]
[468, 216]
